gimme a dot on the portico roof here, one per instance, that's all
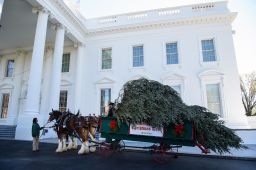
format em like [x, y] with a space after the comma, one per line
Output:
[18, 25]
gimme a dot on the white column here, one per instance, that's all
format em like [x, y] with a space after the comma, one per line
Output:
[16, 93]
[56, 68]
[35, 75]
[79, 73]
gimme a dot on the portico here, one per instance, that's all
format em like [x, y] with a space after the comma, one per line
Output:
[40, 38]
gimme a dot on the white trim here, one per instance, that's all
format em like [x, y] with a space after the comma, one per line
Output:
[105, 80]
[69, 96]
[98, 95]
[100, 59]
[217, 56]
[131, 57]
[171, 66]
[213, 77]
[174, 80]
[138, 76]
[6, 89]
[6, 67]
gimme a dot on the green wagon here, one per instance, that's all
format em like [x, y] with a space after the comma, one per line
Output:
[175, 135]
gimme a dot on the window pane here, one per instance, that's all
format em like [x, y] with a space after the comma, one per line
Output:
[5, 103]
[138, 56]
[63, 100]
[208, 50]
[106, 59]
[65, 63]
[177, 88]
[213, 98]
[172, 53]
[10, 68]
[105, 98]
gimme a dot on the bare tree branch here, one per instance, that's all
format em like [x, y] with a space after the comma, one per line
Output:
[248, 88]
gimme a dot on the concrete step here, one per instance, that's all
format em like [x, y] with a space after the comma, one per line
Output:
[7, 132]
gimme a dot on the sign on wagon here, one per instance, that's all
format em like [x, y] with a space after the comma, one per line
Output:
[146, 130]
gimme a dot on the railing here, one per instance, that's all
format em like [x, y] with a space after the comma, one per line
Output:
[158, 15]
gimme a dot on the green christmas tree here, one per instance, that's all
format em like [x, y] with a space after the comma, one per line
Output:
[148, 101]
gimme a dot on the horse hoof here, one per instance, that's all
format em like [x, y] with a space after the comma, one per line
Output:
[80, 152]
[74, 147]
[92, 149]
[59, 150]
[87, 150]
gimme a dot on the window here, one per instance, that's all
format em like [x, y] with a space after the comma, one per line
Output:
[177, 88]
[63, 100]
[172, 53]
[5, 102]
[65, 63]
[105, 98]
[213, 98]
[138, 56]
[208, 50]
[10, 68]
[106, 59]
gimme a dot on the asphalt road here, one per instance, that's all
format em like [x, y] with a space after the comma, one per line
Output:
[18, 155]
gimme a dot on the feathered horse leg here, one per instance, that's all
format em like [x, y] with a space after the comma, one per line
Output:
[74, 143]
[85, 144]
[64, 146]
[70, 144]
[91, 134]
[59, 149]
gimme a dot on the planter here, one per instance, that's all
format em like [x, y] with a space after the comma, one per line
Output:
[252, 121]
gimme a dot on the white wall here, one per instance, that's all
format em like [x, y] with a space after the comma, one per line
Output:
[191, 72]
[1, 7]
[188, 71]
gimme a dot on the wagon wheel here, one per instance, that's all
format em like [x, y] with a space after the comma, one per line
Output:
[108, 149]
[118, 146]
[104, 149]
[174, 152]
[160, 153]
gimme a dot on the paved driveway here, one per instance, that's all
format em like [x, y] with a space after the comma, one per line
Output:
[18, 155]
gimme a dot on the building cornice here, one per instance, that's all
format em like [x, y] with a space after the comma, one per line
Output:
[221, 18]
[64, 15]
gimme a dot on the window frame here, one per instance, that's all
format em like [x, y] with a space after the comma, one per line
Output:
[211, 50]
[132, 62]
[166, 58]
[110, 97]
[220, 100]
[7, 70]
[175, 80]
[1, 104]
[217, 56]
[111, 58]
[212, 77]
[62, 63]
[65, 101]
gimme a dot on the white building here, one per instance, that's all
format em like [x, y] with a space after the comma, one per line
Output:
[52, 57]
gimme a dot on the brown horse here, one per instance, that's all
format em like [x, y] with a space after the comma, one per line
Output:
[68, 124]
[64, 128]
[87, 129]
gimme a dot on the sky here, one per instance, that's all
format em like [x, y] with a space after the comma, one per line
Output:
[244, 25]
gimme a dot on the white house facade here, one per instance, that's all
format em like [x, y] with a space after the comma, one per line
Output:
[52, 57]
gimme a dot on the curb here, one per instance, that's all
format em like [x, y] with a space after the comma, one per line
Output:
[219, 156]
[200, 155]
